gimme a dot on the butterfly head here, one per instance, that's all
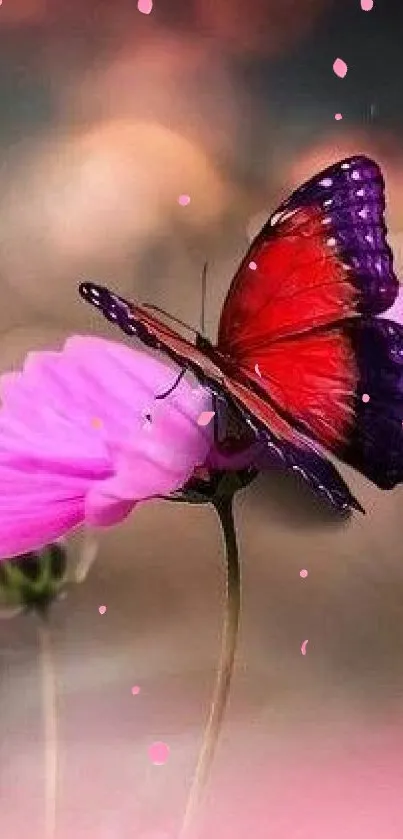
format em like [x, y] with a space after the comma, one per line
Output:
[204, 344]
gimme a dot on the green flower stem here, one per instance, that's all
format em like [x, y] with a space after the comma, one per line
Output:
[49, 699]
[223, 506]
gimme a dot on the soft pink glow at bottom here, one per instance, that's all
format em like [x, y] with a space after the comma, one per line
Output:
[272, 780]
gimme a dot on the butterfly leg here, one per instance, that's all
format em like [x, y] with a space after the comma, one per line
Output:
[175, 385]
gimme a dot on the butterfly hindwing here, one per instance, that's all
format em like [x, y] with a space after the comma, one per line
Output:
[264, 452]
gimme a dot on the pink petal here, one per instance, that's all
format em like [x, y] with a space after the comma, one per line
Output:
[103, 509]
[73, 444]
[29, 528]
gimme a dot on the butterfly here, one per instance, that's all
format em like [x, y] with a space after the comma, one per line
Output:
[302, 357]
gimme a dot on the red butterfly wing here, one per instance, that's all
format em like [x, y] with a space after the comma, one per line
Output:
[321, 257]
[292, 321]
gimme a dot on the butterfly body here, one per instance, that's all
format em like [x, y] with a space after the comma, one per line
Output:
[300, 340]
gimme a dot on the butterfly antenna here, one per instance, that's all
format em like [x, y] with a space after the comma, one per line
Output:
[172, 388]
[170, 317]
[203, 299]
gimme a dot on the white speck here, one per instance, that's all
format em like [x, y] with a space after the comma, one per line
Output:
[326, 182]
[356, 175]
[331, 243]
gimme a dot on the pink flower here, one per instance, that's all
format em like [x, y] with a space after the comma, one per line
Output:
[83, 439]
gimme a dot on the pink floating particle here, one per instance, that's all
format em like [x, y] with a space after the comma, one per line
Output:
[205, 417]
[338, 116]
[303, 573]
[135, 690]
[145, 6]
[340, 68]
[102, 610]
[158, 753]
[367, 5]
[252, 266]
[184, 200]
[365, 397]
[303, 647]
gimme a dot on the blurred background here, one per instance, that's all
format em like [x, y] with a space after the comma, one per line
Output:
[107, 117]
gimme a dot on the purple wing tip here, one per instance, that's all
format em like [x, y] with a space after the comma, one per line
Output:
[114, 308]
